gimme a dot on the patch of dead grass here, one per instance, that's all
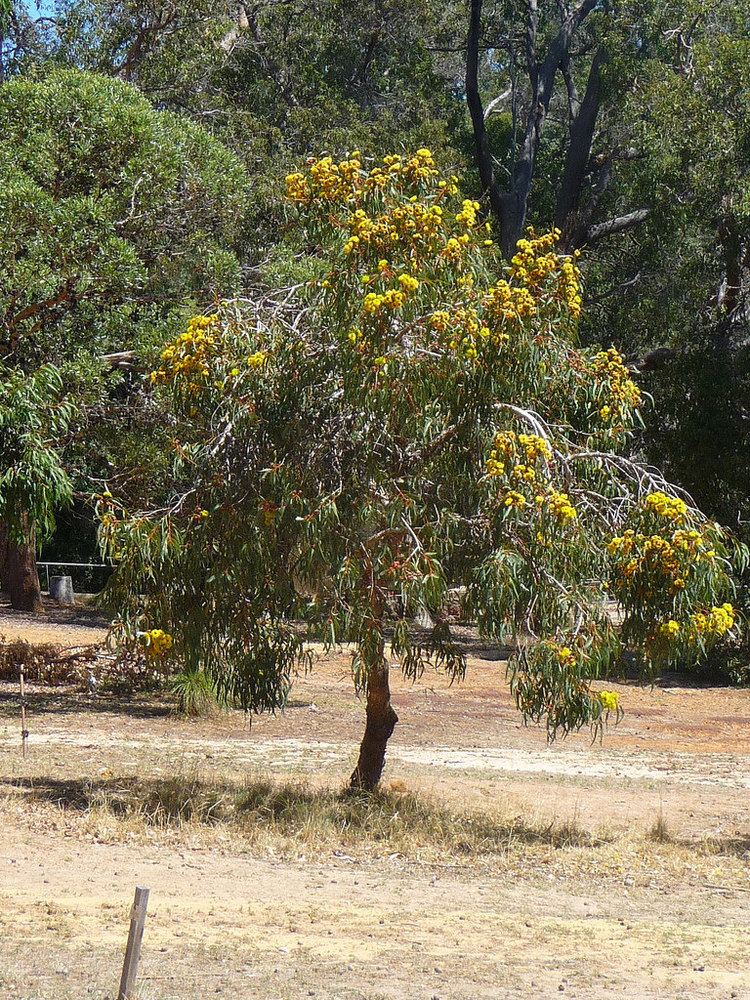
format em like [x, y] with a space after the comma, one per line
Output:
[287, 817]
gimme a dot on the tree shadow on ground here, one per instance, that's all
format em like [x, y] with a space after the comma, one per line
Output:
[64, 701]
[81, 615]
[301, 814]
[298, 813]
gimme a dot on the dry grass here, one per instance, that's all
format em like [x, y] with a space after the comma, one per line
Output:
[660, 832]
[293, 816]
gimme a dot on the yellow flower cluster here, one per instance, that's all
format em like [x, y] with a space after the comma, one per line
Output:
[535, 447]
[564, 654]
[515, 499]
[535, 261]
[297, 188]
[623, 394]
[638, 554]
[416, 169]
[465, 329]
[524, 473]
[393, 298]
[669, 629]
[415, 226]
[509, 446]
[505, 443]
[454, 248]
[468, 215]
[338, 183]
[688, 541]
[157, 641]
[560, 506]
[329, 181]
[530, 250]
[610, 700]
[257, 359]
[399, 226]
[569, 285]
[716, 622]
[665, 506]
[191, 353]
[506, 301]
[711, 624]
[495, 466]
[408, 282]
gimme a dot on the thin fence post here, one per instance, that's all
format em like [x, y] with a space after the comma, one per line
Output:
[24, 730]
[133, 949]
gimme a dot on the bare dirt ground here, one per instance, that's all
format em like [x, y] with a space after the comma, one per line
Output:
[608, 912]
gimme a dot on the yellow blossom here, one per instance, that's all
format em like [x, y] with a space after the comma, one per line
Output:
[610, 700]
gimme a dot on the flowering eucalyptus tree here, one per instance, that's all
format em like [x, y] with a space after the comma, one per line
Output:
[422, 420]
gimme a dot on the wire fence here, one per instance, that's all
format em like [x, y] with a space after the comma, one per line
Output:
[88, 578]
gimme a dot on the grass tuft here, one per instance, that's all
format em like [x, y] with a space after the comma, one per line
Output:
[660, 832]
[196, 694]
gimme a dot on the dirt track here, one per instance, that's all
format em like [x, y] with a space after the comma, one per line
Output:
[627, 917]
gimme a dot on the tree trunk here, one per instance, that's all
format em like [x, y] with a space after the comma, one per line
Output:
[511, 223]
[4, 582]
[20, 570]
[579, 151]
[381, 721]
[482, 150]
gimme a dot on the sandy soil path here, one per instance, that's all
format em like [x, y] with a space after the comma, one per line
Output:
[626, 918]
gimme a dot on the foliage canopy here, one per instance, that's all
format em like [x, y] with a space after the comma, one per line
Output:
[423, 420]
[113, 211]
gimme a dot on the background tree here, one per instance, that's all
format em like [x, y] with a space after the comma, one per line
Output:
[116, 215]
[274, 80]
[34, 413]
[426, 421]
[544, 68]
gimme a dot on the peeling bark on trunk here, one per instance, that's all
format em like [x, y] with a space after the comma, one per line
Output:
[381, 721]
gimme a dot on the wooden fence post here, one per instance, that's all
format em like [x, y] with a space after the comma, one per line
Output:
[133, 950]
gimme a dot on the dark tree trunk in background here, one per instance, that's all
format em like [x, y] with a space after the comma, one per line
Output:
[381, 721]
[546, 56]
[19, 572]
[582, 130]
[4, 585]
